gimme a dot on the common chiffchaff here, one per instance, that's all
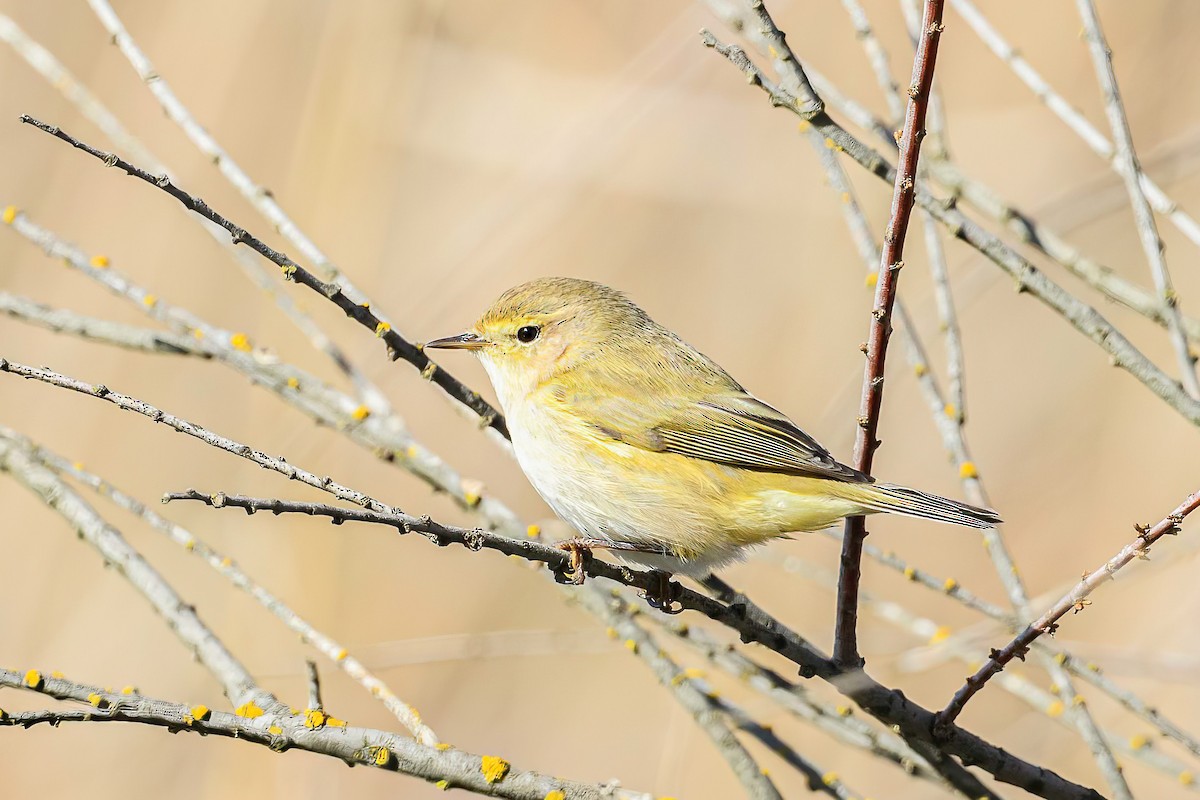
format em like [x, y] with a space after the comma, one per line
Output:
[648, 448]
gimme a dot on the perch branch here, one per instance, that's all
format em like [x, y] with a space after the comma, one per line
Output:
[739, 614]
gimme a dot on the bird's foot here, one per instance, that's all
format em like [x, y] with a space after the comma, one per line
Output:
[663, 594]
[580, 550]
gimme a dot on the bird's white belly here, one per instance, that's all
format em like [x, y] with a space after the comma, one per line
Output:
[579, 485]
[598, 490]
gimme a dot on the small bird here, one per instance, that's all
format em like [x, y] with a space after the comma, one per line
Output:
[648, 448]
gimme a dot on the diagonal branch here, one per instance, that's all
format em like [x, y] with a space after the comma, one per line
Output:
[237, 682]
[1074, 120]
[1126, 164]
[1075, 599]
[703, 710]
[331, 648]
[384, 435]
[60, 78]
[845, 650]
[398, 347]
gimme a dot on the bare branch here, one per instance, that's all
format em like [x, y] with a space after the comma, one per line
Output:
[1126, 164]
[130, 337]
[1027, 277]
[837, 721]
[236, 681]
[61, 79]
[258, 196]
[708, 717]
[447, 767]
[1075, 599]
[1073, 119]
[384, 435]
[1061, 704]
[398, 346]
[845, 651]
[229, 569]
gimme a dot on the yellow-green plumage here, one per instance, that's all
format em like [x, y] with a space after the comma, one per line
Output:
[633, 437]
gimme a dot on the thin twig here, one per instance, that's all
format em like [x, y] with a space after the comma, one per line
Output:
[314, 686]
[1126, 163]
[398, 347]
[845, 650]
[258, 196]
[1075, 599]
[447, 767]
[808, 104]
[1062, 705]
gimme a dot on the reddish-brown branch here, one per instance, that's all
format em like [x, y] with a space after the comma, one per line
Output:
[845, 649]
[1075, 599]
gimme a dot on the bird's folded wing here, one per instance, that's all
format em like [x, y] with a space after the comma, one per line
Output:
[731, 428]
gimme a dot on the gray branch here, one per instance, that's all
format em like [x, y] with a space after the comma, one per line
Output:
[447, 767]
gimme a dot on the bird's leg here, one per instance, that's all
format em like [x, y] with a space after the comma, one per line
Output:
[664, 594]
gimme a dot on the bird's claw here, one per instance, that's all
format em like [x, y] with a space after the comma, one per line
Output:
[664, 596]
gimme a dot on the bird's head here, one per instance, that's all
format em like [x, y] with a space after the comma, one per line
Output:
[540, 328]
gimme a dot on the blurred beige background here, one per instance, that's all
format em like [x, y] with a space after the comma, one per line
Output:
[441, 152]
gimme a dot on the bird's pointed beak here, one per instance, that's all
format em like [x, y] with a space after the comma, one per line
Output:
[464, 341]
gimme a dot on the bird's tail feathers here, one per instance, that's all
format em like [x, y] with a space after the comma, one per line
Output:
[894, 499]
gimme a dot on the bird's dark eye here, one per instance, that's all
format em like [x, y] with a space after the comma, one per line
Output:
[527, 333]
